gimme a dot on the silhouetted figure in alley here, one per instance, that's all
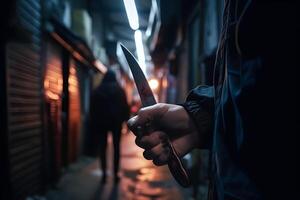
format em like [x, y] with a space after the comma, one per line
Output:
[108, 110]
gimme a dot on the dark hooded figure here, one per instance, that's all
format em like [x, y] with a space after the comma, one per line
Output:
[108, 110]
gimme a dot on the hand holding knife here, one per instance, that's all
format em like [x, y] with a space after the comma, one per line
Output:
[174, 162]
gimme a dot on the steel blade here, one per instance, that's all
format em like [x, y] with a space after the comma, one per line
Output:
[144, 90]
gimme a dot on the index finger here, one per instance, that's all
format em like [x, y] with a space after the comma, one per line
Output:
[147, 117]
[140, 130]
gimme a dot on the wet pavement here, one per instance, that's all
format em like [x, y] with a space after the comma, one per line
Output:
[139, 179]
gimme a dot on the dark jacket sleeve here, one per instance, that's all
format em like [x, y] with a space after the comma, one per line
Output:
[200, 106]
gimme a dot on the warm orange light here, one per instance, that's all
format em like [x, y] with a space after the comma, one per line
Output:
[46, 84]
[153, 84]
[52, 95]
[73, 70]
[165, 83]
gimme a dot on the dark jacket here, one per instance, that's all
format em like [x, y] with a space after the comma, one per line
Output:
[109, 106]
[250, 113]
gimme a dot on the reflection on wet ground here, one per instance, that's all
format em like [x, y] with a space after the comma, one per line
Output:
[140, 179]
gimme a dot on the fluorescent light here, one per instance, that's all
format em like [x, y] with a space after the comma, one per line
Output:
[140, 49]
[152, 14]
[132, 14]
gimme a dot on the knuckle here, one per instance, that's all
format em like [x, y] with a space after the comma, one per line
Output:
[166, 150]
[137, 141]
[154, 138]
[160, 105]
[162, 136]
[144, 143]
[132, 122]
[156, 162]
[141, 112]
[147, 155]
[162, 159]
[136, 132]
[159, 162]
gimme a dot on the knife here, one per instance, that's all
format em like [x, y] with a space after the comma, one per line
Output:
[147, 98]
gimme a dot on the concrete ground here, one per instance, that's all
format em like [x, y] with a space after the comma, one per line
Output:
[140, 179]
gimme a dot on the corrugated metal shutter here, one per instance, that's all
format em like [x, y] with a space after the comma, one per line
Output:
[24, 103]
[74, 109]
[53, 84]
[84, 81]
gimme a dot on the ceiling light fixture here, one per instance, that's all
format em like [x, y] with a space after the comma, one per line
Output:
[153, 13]
[140, 50]
[132, 14]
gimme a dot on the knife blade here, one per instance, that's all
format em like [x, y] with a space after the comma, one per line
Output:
[175, 164]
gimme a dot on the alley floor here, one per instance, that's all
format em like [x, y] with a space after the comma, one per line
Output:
[140, 179]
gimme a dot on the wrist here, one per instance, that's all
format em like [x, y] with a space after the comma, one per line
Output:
[201, 123]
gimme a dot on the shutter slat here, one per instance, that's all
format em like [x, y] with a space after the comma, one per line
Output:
[35, 142]
[23, 93]
[26, 126]
[17, 136]
[24, 67]
[26, 164]
[24, 157]
[15, 119]
[21, 76]
[25, 54]
[27, 101]
[24, 85]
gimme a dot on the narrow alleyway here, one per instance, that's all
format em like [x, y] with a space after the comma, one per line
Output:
[140, 179]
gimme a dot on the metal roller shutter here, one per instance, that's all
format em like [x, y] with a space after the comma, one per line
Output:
[74, 109]
[53, 84]
[24, 103]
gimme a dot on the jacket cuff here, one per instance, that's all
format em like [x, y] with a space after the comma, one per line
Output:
[200, 107]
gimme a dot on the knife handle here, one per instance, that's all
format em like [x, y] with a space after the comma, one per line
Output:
[175, 164]
[177, 168]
